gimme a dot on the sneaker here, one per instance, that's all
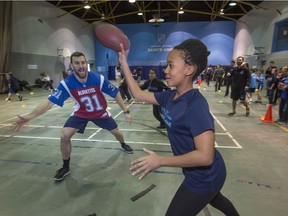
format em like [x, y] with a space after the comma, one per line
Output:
[61, 173]
[247, 112]
[8, 99]
[282, 123]
[232, 113]
[20, 97]
[126, 148]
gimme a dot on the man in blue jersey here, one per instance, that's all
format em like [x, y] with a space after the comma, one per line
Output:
[86, 89]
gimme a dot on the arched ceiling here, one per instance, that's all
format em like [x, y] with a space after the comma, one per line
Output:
[124, 12]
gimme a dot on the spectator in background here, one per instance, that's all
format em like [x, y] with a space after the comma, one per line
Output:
[277, 93]
[13, 87]
[252, 86]
[124, 91]
[260, 85]
[218, 77]
[283, 105]
[118, 74]
[155, 85]
[271, 85]
[228, 78]
[134, 73]
[139, 74]
[47, 81]
[208, 74]
[268, 74]
[240, 83]
[64, 74]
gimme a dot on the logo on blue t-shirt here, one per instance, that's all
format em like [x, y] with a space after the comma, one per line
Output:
[166, 118]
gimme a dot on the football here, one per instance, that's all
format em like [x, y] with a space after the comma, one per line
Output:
[110, 36]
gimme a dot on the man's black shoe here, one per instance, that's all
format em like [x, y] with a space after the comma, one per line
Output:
[127, 148]
[61, 173]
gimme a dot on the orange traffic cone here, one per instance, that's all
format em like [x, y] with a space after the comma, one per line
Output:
[268, 116]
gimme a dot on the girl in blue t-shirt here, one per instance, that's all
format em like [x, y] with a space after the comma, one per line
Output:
[190, 128]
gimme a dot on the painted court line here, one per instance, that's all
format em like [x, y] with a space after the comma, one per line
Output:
[89, 139]
[228, 134]
[104, 141]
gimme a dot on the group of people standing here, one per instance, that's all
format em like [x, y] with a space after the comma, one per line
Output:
[277, 90]
[245, 81]
[236, 77]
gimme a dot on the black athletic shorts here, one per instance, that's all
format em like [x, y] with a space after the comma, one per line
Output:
[238, 93]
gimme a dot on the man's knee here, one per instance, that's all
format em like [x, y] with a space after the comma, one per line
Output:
[67, 133]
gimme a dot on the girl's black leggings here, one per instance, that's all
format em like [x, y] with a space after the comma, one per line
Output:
[187, 203]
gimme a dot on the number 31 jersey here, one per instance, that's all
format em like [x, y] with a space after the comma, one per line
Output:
[90, 101]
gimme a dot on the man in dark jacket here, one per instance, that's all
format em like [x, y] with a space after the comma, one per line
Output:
[155, 85]
[240, 83]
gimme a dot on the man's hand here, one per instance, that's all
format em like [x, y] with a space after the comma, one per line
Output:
[128, 118]
[19, 124]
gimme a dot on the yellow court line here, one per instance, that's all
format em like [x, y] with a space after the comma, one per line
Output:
[283, 128]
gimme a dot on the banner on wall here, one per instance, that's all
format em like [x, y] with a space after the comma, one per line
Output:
[150, 46]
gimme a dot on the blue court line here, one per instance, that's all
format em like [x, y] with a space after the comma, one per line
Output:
[49, 164]
[26, 161]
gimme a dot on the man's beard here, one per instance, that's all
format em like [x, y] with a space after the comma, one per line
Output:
[79, 75]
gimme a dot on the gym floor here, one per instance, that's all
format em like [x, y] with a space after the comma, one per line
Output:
[100, 183]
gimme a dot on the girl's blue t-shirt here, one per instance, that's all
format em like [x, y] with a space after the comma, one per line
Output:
[187, 117]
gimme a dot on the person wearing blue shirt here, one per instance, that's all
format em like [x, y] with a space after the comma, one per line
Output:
[191, 132]
[252, 86]
[260, 84]
[86, 89]
[283, 105]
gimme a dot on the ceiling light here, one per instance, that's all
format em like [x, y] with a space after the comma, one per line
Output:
[87, 7]
[159, 20]
[222, 12]
[232, 4]
[140, 13]
[132, 1]
[181, 11]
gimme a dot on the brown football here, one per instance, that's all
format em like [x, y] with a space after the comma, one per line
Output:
[110, 36]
